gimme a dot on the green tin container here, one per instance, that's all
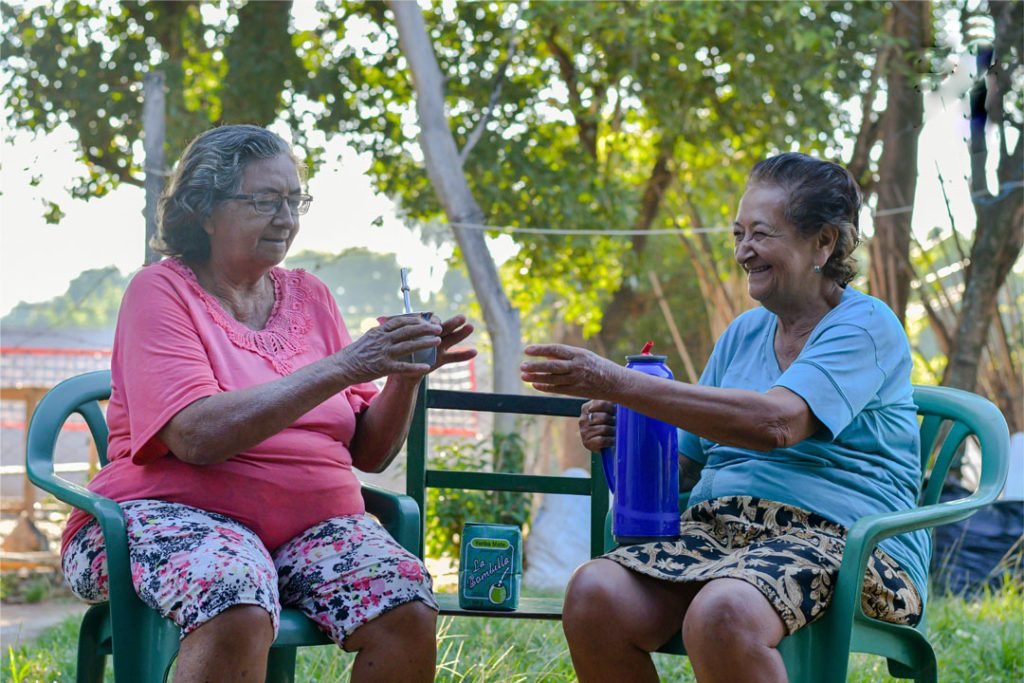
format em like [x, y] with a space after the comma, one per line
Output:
[490, 567]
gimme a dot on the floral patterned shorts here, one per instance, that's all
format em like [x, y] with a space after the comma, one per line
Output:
[190, 565]
[790, 555]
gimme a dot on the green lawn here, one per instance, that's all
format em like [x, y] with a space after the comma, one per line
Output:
[978, 641]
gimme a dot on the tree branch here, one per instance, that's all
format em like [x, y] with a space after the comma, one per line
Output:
[492, 101]
[587, 128]
[870, 128]
[123, 175]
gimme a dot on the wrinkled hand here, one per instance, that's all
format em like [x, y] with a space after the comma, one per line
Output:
[597, 425]
[384, 350]
[570, 370]
[453, 331]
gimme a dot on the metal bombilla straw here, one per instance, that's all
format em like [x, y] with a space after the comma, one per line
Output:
[405, 290]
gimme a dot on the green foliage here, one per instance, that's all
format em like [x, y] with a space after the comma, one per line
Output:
[17, 668]
[52, 658]
[590, 113]
[82, 63]
[91, 302]
[53, 214]
[37, 590]
[449, 509]
[592, 107]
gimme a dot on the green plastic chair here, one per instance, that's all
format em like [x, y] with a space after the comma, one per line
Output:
[142, 643]
[819, 653]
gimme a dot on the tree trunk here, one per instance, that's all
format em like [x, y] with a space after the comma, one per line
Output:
[900, 127]
[153, 135]
[628, 303]
[449, 182]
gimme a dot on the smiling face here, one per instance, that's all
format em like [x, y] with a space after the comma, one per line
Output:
[779, 262]
[245, 241]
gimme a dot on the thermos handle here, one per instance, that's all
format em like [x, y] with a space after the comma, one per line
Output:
[608, 460]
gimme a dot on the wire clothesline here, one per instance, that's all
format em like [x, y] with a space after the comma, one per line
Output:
[582, 231]
[1004, 188]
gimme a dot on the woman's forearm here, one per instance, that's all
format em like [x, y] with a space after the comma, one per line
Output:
[214, 429]
[384, 425]
[735, 417]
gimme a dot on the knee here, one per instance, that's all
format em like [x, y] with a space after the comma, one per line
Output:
[591, 595]
[730, 615]
[416, 621]
[410, 626]
[247, 627]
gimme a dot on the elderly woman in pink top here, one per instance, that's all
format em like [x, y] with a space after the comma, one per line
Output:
[240, 406]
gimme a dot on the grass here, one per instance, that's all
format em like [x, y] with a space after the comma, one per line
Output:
[979, 640]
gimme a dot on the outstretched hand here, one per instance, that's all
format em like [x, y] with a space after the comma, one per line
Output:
[453, 331]
[570, 370]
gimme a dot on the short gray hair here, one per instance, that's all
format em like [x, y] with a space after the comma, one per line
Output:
[821, 193]
[210, 169]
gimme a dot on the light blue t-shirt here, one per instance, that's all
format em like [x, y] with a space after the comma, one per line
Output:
[854, 374]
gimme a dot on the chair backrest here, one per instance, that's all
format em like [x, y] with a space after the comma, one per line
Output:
[80, 395]
[419, 477]
[949, 418]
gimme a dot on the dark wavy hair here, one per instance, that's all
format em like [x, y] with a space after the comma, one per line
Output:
[820, 193]
[210, 169]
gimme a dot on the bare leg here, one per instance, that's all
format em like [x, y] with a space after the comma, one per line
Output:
[232, 647]
[614, 618]
[731, 632]
[399, 645]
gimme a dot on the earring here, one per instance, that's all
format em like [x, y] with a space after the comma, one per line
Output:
[817, 269]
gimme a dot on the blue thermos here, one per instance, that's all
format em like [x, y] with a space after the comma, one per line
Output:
[643, 470]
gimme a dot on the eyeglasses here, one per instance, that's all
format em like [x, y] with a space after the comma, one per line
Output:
[270, 202]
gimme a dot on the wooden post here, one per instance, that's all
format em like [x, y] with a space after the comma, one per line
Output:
[153, 135]
[94, 460]
[25, 536]
[691, 372]
[28, 497]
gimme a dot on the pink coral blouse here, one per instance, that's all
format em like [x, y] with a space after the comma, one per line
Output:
[175, 344]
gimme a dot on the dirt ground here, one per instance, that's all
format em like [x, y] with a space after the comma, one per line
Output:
[21, 624]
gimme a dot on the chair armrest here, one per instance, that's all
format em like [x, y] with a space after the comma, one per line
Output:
[81, 395]
[71, 493]
[397, 512]
[110, 518]
[867, 532]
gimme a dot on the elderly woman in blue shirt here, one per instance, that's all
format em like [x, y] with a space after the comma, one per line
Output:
[803, 422]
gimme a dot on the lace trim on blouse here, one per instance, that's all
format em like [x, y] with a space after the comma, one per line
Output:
[283, 337]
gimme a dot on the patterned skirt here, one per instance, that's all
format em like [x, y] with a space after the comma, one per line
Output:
[790, 555]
